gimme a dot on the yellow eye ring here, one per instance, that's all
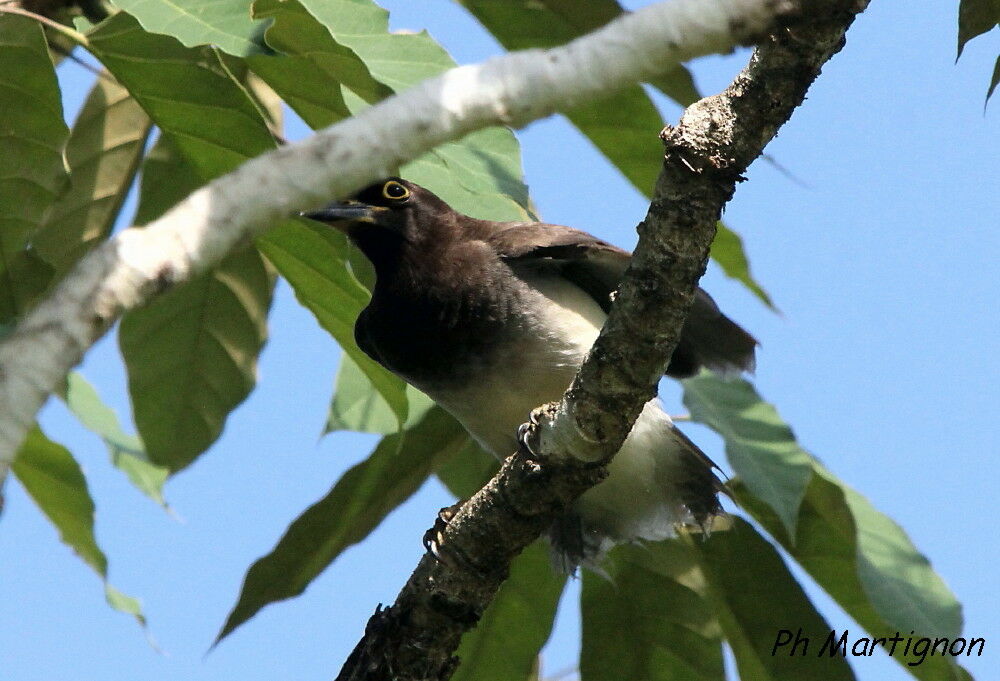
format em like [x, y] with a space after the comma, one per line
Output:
[394, 191]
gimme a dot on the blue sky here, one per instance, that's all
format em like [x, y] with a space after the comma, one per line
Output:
[882, 257]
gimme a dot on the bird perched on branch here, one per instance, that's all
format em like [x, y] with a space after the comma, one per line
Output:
[493, 319]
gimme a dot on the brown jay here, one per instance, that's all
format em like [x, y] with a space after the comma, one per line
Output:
[492, 319]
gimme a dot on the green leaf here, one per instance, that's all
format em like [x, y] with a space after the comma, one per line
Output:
[103, 152]
[357, 405]
[188, 92]
[994, 81]
[755, 597]
[522, 25]
[479, 175]
[976, 17]
[828, 546]
[32, 132]
[759, 445]
[868, 565]
[505, 643]
[224, 23]
[858, 555]
[165, 180]
[25, 277]
[53, 479]
[313, 259]
[349, 512]
[545, 23]
[312, 64]
[397, 60]
[728, 252]
[126, 450]
[648, 619]
[678, 84]
[124, 603]
[191, 353]
[624, 128]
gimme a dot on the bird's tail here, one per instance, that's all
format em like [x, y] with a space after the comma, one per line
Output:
[712, 340]
[658, 480]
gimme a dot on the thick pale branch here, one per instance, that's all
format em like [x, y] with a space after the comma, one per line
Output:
[513, 90]
[706, 155]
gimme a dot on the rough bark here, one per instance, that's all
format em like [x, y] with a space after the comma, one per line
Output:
[706, 155]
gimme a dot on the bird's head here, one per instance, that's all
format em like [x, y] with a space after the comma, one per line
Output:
[387, 218]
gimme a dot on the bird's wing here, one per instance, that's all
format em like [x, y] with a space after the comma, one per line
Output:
[709, 338]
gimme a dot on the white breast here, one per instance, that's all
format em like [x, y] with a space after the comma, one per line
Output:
[534, 368]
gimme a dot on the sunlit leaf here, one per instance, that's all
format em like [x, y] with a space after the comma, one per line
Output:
[353, 508]
[859, 557]
[311, 64]
[103, 152]
[53, 479]
[225, 23]
[32, 133]
[505, 643]
[127, 452]
[648, 618]
[760, 447]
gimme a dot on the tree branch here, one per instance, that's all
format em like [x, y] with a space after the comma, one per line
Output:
[706, 155]
[512, 90]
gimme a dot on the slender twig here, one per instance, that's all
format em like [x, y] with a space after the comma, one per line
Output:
[75, 36]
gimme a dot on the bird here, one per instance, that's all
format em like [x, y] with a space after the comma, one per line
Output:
[493, 319]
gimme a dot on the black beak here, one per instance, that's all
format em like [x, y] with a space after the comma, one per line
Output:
[341, 212]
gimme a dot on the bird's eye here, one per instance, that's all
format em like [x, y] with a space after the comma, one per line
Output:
[395, 191]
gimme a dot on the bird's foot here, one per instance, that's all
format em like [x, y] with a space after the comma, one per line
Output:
[435, 544]
[528, 433]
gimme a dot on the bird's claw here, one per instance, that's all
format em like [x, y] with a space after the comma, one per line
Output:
[527, 434]
[434, 542]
